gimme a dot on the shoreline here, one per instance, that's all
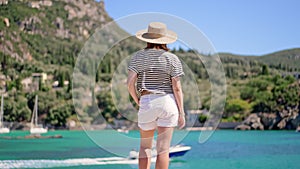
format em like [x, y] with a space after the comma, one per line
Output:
[221, 126]
[186, 129]
[30, 137]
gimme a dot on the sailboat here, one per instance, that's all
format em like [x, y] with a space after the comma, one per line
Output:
[36, 128]
[2, 128]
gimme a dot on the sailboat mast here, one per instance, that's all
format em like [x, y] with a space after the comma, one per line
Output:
[36, 110]
[1, 112]
[34, 114]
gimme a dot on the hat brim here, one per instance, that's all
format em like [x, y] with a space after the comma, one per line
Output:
[170, 37]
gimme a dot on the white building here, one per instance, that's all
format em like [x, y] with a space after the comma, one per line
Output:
[3, 2]
[192, 117]
[43, 76]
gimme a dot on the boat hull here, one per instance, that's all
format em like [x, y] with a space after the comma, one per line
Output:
[4, 130]
[38, 130]
[177, 154]
[178, 151]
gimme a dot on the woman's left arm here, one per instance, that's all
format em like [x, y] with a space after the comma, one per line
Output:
[131, 79]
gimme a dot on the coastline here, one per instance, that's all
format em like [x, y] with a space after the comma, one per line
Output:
[79, 127]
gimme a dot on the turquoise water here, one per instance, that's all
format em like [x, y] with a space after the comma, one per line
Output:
[226, 149]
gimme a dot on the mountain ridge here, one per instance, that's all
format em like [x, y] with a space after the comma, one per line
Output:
[287, 59]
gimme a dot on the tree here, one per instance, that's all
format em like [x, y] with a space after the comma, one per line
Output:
[247, 93]
[202, 118]
[59, 114]
[106, 105]
[236, 106]
[264, 102]
[16, 109]
[265, 70]
[61, 79]
[4, 60]
[259, 84]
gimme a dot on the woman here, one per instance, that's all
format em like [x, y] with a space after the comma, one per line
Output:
[157, 73]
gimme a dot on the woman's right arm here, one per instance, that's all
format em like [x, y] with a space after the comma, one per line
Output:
[177, 90]
[131, 79]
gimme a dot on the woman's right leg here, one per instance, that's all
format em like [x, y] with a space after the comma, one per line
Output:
[164, 137]
[145, 148]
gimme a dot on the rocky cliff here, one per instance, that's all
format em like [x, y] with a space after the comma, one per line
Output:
[285, 114]
[66, 20]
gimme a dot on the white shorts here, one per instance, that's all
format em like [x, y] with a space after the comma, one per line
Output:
[157, 110]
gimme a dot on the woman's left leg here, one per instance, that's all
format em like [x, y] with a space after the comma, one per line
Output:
[145, 148]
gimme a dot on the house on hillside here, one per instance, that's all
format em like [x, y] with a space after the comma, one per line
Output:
[31, 84]
[3, 2]
[42, 76]
[192, 117]
[2, 80]
[296, 75]
[56, 84]
[26, 84]
[2, 83]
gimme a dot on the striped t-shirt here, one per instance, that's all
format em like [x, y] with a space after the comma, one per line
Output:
[155, 68]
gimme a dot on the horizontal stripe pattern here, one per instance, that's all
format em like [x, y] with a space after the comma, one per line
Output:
[155, 68]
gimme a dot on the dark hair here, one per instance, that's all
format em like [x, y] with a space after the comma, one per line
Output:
[157, 46]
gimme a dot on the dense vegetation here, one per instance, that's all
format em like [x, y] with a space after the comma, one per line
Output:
[255, 83]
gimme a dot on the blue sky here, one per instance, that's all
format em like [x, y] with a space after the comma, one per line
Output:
[253, 27]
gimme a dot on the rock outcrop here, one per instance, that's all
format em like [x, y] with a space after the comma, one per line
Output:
[39, 4]
[30, 25]
[243, 127]
[253, 122]
[287, 119]
[61, 31]
[6, 21]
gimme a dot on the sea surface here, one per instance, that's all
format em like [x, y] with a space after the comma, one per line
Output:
[225, 149]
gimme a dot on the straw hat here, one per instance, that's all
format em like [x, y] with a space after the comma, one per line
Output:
[157, 32]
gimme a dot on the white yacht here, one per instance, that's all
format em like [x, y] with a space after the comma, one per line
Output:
[123, 130]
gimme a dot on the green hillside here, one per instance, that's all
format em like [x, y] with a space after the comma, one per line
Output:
[288, 60]
[41, 40]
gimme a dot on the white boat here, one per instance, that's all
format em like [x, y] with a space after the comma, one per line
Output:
[174, 151]
[36, 128]
[298, 129]
[123, 130]
[2, 128]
